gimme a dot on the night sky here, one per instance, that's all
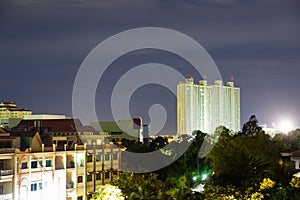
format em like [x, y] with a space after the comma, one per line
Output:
[43, 44]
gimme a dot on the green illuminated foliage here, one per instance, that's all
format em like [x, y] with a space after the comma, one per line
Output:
[108, 192]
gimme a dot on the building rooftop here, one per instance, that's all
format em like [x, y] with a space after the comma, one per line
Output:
[54, 125]
[11, 106]
[43, 117]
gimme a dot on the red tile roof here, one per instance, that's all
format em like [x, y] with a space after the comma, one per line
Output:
[57, 125]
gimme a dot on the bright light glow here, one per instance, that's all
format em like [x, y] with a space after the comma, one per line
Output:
[194, 178]
[286, 126]
[204, 177]
[108, 192]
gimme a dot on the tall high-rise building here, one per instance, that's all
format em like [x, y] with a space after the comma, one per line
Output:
[204, 107]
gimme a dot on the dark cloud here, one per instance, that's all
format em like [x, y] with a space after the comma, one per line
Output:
[44, 42]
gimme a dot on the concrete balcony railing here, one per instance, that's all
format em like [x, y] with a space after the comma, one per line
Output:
[6, 196]
[6, 173]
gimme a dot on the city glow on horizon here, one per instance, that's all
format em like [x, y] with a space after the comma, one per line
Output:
[285, 126]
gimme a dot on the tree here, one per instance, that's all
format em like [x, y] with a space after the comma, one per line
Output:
[243, 161]
[134, 146]
[159, 142]
[290, 141]
[251, 127]
[108, 192]
[172, 182]
[189, 164]
[139, 186]
[295, 182]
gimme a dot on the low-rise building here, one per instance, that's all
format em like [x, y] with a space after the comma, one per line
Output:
[6, 169]
[126, 128]
[295, 157]
[36, 167]
[291, 158]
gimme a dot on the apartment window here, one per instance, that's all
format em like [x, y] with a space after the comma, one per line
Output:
[98, 158]
[89, 177]
[34, 164]
[98, 176]
[79, 198]
[40, 186]
[24, 165]
[106, 175]
[107, 156]
[115, 156]
[1, 189]
[48, 163]
[90, 158]
[33, 187]
[79, 179]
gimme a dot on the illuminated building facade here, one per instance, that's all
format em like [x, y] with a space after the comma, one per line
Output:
[204, 107]
[9, 111]
[33, 166]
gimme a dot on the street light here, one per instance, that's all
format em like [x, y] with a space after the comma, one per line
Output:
[194, 178]
[204, 177]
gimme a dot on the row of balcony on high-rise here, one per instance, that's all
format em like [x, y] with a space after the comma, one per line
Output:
[206, 106]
